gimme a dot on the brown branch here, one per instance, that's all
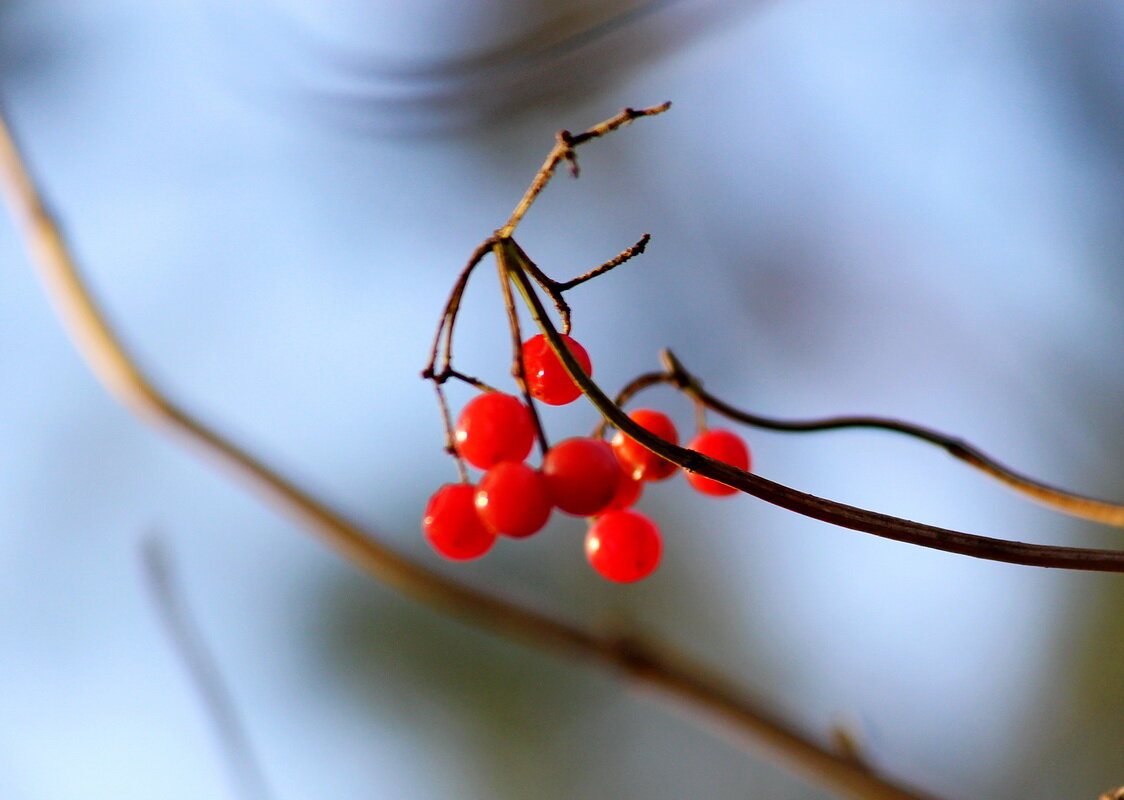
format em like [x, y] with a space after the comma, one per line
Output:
[517, 369]
[845, 516]
[449, 319]
[563, 150]
[612, 263]
[555, 289]
[1077, 505]
[551, 287]
[711, 701]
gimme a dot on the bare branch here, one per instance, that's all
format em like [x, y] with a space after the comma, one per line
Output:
[625, 255]
[845, 516]
[517, 368]
[1077, 505]
[563, 150]
[710, 700]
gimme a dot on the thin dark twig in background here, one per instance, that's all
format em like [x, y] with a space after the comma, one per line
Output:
[202, 669]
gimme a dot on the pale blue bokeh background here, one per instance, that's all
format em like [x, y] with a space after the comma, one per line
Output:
[904, 208]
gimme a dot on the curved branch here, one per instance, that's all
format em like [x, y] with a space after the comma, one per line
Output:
[846, 516]
[1072, 503]
[1077, 505]
[707, 698]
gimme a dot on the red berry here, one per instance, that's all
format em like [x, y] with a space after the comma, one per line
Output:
[624, 546]
[724, 446]
[512, 499]
[582, 475]
[547, 379]
[452, 525]
[494, 427]
[628, 492]
[642, 464]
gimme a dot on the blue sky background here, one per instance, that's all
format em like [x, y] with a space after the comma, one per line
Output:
[902, 208]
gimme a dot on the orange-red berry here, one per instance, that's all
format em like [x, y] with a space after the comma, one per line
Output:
[582, 475]
[512, 499]
[494, 427]
[547, 380]
[628, 493]
[452, 525]
[721, 445]
[624, 546]
[639, 462]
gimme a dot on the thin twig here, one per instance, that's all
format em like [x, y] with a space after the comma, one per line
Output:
[1077, 505]
[625, 255]
[710, 700]
[518, 371]
[450, 432]
[449, 316]
[446, 326]
[550, 286]
[563, 150]
[633, 387]
[469, 379]
[168, 598]
[845, 516]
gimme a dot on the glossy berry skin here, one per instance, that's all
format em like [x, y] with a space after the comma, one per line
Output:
[628, 493]
[453, 527]
[512, 499]
[494, 427]
[582, 475]
[624, 546]
[640, 463]
[721, 445]
[547, 380]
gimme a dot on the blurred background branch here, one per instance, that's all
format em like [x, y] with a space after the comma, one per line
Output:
[908, 209]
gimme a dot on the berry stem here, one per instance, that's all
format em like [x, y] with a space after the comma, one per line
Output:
[551, 287]
[506, 267]
[450, 442]
[700, 416]
[632, 388]
[715, 703]
[471, 381]
[449, 315]
[841, 514]
[1078, 505]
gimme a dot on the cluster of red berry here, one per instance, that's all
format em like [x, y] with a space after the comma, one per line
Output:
[582, 476]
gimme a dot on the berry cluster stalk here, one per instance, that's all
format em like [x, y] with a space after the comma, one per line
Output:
[710, 700]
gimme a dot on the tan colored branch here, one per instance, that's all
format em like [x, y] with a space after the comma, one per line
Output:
[708, 699]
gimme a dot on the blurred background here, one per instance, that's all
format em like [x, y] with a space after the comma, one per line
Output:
[901, 208]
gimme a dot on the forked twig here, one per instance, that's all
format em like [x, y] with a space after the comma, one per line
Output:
[563, 150]
[712, 701]
[555, 289]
